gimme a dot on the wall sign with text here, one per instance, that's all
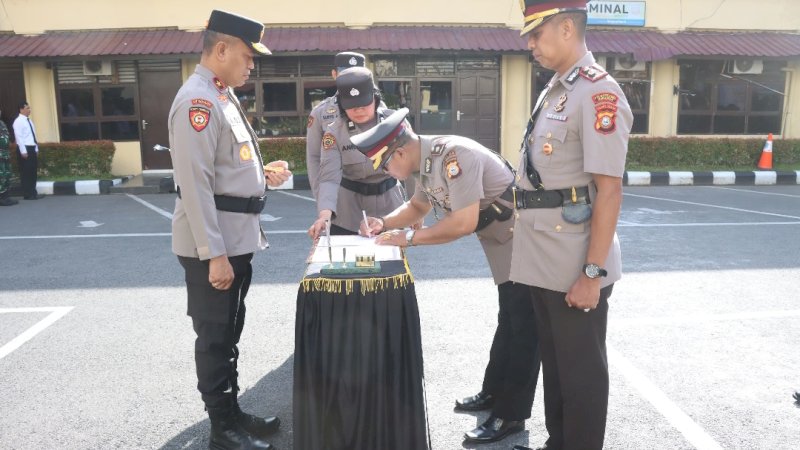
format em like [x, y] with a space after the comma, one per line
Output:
[630, 14]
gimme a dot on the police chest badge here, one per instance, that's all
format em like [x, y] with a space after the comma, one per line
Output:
[328, 141]
[605, 103]
[245, 154]
[199, 117]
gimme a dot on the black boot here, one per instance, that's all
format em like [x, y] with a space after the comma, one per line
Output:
[257, 426]
[227, 434]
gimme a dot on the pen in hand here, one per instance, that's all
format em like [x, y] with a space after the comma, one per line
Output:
[366, 223]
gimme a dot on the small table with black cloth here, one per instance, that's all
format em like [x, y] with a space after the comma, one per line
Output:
[358, 370]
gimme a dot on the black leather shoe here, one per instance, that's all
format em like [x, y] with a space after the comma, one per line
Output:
[258, 426]
[494, 429]
[477, 402]
[228, 434]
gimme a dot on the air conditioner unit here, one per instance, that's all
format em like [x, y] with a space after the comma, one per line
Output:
[746, 66]
[97, 68]
[629, 64]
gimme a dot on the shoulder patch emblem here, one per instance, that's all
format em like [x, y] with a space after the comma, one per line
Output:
[245, 154]
[310, 121]
[199, 117]
[593, 73]
[605, 103]
[202, 102]
[328, 141]
[453, 169]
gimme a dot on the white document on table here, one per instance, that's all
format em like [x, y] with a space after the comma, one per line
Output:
[353, 246]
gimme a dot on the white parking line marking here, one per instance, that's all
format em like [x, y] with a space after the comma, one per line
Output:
[295, 195]
[155, 208]
[754, 192]
[700, 224]
[712, 206]
[82, 236]
[55, 314]
[693, 433]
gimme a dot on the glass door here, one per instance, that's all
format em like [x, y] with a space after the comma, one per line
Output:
[436, 113]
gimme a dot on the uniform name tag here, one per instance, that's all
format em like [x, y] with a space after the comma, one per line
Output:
[559, 117]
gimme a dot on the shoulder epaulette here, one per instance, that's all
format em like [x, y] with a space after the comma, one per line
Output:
[593, 72]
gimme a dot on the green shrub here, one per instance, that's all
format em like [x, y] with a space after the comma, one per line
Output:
[291, 150]
[71, 159]
[706, 154]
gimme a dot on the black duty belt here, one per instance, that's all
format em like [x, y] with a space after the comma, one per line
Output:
[496, 211]
[248, 205]
[550, 198]
[368, 188]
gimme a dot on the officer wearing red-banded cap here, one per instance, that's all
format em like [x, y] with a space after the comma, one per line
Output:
[215, 227]
[565, 245]
[471, 186]
[323, 115]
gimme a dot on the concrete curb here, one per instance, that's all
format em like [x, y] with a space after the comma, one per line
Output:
[300, 182]
[749, 178]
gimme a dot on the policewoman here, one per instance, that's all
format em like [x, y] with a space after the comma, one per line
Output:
[472, 187]
[323, 115]
[215, 227]
[348, 183]
[565, 244]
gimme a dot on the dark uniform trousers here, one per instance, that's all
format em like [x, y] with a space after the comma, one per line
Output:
[218, 320]
[513, 369]
[575, 369]
[27, 171]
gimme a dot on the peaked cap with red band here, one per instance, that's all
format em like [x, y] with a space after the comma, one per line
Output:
[535, 12]
[376, 142]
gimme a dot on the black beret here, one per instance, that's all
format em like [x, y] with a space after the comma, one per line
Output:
[248, 30]
[355, 87]
[346, 60]
[375, 142]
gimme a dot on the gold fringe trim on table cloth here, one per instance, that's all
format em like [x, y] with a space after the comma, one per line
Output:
[347, 285]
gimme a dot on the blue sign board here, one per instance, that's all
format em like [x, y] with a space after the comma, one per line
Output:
[629, 14]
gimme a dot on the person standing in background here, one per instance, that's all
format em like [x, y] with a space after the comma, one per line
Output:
[28, 151]
[5, 165]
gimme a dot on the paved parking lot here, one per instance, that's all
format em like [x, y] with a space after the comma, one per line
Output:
[96, 350]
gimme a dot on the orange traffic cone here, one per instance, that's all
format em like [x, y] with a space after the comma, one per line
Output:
[765, 163]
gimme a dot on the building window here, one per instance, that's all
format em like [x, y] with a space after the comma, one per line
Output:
[97, 107]
[634, 80]
[730, 97]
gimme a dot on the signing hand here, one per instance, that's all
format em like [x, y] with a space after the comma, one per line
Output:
[394, 237]
[375, 227]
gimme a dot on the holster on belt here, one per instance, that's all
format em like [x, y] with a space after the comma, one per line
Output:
[496, 211]
[247, 205]
[574, 202]
[368, 188]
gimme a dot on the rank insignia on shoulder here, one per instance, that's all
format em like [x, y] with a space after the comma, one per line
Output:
[202, 102]
[328, 141]
[310, 121]
[438, 149]
[245, 154]
[605, 103]
[593, 73]
[219, 84]
[453, 170]
[199, 117]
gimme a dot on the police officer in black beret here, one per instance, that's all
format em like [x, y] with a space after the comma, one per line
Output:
[216, 225]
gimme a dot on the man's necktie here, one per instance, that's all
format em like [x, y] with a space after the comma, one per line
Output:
[35, 142]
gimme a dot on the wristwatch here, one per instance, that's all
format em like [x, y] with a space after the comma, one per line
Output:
[410, 237]
[594, 271]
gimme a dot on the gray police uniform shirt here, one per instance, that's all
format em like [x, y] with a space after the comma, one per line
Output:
[456, 172]
[341, 159]
[213, 152]
[582, 129]
[321, 116]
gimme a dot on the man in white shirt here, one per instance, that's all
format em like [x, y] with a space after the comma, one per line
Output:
[28, 148]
